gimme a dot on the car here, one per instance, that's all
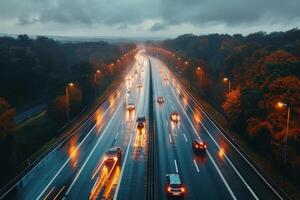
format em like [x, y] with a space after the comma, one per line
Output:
[139, 85]
[174, 186]
[130, 107]
[113, 155]
[174, 116]
[160, 100]
[141, 123]
[181, 95]
[199, 146]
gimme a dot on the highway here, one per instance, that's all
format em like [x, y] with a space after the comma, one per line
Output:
[74, 169]
[222, 173]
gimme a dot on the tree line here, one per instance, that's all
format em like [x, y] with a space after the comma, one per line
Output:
[246, 77]
[39, 69]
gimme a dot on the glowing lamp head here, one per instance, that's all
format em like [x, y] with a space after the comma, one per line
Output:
[281, 105]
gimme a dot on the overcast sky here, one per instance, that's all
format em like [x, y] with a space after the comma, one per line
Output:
[146, 18]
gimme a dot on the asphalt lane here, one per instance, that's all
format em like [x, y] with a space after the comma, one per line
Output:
[65, 172]
[223, 173]
[74, 169]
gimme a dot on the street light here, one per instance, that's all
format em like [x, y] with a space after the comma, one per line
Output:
[95, 80]
[67, 100]
[201, 72]
[284, 105]
[225, 79]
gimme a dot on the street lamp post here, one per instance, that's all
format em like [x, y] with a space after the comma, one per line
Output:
[229, 83]
[201, 73]
[67, 100]
[95, 81]
[281, 105]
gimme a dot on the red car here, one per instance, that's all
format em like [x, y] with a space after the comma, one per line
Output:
[199, 146]
[160, 100]
[113, 155]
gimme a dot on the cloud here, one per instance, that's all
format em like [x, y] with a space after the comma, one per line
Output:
[123, 14]
[158, 27]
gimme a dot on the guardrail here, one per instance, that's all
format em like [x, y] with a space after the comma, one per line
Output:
[150, 179]
[267, 179]
[80, 120]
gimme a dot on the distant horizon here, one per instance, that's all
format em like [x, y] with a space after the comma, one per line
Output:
[144, 38]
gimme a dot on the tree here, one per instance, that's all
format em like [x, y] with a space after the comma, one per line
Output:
[7, 126]
[7, 115]
[232, 105]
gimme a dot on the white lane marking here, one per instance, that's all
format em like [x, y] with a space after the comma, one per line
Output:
[117, 135]
[241, 154]
[185, 137]
[97, 179]
[197, 168]
[167, 122]
[98, 168]
[222, 177]
[218, 170]
[170, 138]
[176, 168]
[90, 154]
[59, 192]
[49, 193]
[227, 158]
[123, 167]
[69, 158]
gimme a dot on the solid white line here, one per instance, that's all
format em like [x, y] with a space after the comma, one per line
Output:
[222, 177]
[185, 137]
[117, 135]
[95, 183]
[123, 167]
[97, 169]
[218, 170]
[241, 154]
[227, 158]
[176, 168]
[49, 193]
[167, 123]
[197, 168]
[59, 192]
[69, 158]
[171, 141]
[90, 154]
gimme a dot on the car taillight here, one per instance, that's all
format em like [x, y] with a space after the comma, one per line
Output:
[169, 189]
[197, 146]
[115, 158]
[182, 189]
[105, 158]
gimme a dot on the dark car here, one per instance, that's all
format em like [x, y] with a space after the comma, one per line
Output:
[141, 123]
[199, 146]
[160, 100]
[174, 187]
[113, 155]
[174, 116]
